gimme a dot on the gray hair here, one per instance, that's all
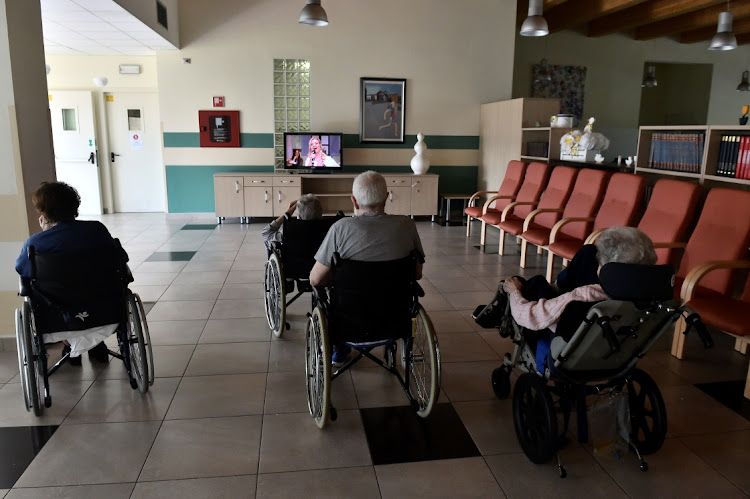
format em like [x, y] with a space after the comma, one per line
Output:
[309, 207]
[625, 245]
[370, 189]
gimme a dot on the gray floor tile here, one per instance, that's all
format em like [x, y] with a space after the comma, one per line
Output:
[286, 392]
[175, 332]
[110, 491]
[217, 396]
[336, 483]
[236, 330]
[230, 487]
[229, 358]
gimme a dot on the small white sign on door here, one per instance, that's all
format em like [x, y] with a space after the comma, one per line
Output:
[136, 142]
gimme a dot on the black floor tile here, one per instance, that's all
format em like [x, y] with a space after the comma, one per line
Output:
[729, 393]
[19, 447]
[399, 435]
[171, 256]
[199, 227]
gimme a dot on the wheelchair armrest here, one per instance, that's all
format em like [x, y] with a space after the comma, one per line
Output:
[24, 287]
[418, 291]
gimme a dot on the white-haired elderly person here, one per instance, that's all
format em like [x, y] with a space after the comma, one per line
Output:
[370, 236]
[308, 208]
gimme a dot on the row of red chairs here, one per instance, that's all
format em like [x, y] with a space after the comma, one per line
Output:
[562, 209]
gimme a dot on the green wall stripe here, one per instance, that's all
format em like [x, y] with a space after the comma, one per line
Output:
[351, 140]
[191, 139]
[190, 189]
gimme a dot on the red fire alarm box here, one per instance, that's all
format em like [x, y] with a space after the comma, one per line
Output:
[219, 128]
[218, 101]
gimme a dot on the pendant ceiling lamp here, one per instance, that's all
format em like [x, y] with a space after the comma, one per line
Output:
[535, 24]
[724, 39]
[744, 85]
[313, 14]
[650, 79]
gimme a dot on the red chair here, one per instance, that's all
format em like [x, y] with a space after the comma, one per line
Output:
[621, 204]
[583, 202]
[507, 193]
[527, 198]
[722, 234]
[552, 201]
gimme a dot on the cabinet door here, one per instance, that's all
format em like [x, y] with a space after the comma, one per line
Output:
[424, 195]
[228, 197]
[259, 201]
[399, 201]
[282, 196]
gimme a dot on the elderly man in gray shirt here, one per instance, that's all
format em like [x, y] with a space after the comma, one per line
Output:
[372, 235]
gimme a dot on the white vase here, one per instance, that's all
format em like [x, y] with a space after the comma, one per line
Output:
[420, 163]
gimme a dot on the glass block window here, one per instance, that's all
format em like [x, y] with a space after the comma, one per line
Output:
[291, 102]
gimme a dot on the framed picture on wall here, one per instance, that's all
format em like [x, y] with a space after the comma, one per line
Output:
[382, 110]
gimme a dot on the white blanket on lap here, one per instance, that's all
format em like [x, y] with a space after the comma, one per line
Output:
[81, 341]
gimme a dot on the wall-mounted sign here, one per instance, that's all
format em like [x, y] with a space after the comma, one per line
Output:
[219, 128]
[218, 101]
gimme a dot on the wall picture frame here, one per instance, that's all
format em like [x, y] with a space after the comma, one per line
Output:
[382, 110]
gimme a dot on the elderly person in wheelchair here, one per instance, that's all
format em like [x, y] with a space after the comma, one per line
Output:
[74, 279]
[369, 265]
[586, 341]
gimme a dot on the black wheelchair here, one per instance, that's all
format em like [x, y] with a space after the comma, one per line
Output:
[72, 295]
[290, 262]
[366, 305]
[594, 357]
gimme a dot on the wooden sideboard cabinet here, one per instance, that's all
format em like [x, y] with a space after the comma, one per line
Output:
[269, 194]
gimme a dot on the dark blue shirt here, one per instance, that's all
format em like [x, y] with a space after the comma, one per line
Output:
[67, 237]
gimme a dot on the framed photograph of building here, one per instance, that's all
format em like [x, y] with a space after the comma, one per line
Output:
[382, 110]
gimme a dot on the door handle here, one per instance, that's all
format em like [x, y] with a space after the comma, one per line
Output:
[112, 157]
[92, 158]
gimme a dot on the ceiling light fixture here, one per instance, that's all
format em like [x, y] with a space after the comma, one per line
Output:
[313, 14]
[744, 85]
[535, 24]
[724, 39]
[101, 81]
[650, 79]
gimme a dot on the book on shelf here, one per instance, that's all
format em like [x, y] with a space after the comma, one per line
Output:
[537, 149]
[734, 157]
[675, 151]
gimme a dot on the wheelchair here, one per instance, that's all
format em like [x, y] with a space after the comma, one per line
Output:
[364, 306]
[71, 295]
[595, 356]
[290, 262]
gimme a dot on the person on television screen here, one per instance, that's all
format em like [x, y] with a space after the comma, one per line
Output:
[294, 160]
[317, 156]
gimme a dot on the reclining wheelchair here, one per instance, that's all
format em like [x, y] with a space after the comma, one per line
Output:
[593, 356]
[73, 295]
[290, 261]
[366, 305]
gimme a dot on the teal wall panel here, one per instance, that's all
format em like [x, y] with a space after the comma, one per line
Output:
[190, 189]
[191, 139]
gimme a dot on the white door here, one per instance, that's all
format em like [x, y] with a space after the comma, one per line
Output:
[138, 182]
[74, 137]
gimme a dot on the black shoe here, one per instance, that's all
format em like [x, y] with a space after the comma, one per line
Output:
[73, 361]
[99, 353]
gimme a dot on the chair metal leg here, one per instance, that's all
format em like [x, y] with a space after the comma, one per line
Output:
[550, 264]
[678, 340]
[468, 225]
[523, 253]
[501, 248]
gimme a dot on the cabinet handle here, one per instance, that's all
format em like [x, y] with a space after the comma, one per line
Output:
[287, 181]
[236, 186]
[279, 196]
[390, 196]
[266, 196]
[258, 181]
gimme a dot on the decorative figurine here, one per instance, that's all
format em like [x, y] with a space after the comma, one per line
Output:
[743, 118]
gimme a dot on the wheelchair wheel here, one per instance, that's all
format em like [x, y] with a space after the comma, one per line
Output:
[139, 352]
[534, 418]
[424, 364]
[146, 338]
[648, 415]
[274, 295]
[318, 367]
[29, 364]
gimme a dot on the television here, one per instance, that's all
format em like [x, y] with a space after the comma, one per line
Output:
[317, 152]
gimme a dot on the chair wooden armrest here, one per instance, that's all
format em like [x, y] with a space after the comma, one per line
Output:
[530, 217]
[476, 195]
[512, 205]
[676, 244]
[565, 221]
[591, 239]
[700, 271]
[492, 200]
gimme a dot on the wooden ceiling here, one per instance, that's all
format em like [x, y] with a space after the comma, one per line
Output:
[687, 21]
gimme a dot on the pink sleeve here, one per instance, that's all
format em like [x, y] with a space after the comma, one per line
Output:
[545, 313]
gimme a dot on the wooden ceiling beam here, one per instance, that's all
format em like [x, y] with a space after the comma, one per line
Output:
[708, 17]
[577, 12]
[743, 39]
[739, 27]
[647, 12]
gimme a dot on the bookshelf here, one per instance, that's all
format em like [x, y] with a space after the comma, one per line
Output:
[530, 137]
[707, 170]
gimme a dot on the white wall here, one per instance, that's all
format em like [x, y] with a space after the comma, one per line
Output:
[455, 55]
[614, 72]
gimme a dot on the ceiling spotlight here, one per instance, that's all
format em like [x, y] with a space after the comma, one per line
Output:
[650, 79]
[744, 85]
[535, 24]
[724, 39]
[101, 81]
[313, 14]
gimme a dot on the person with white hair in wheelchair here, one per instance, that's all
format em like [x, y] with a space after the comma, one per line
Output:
[308, 207]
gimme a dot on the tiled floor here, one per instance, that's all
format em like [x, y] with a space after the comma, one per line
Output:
[227, 415]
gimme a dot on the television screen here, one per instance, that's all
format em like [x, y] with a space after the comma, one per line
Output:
[315, 151]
